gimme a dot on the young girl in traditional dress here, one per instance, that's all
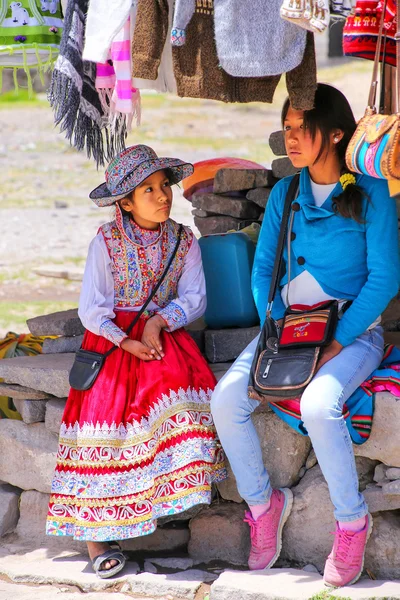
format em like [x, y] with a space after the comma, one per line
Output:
[140, 444]
[344, 245]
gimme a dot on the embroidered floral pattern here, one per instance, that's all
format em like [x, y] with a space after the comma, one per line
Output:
[111, 332]
[137, 266]
[174, 315]
[113, 481]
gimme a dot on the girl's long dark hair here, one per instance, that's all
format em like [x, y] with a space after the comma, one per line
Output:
[332, 112]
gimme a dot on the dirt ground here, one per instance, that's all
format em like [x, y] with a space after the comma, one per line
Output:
[40, 170]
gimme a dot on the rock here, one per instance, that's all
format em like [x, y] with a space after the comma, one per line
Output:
[199, 338]
[270, 584]
[199, 212]
[284, 450]
[173, 563]
[49, 592]
[218, 224]
[380, 473]
[306, 537]
[311, 460]
[302, 472]
[391, 316]
[19, 392]
[66, 323]
[31, 528]
[293, 584]
[219, 533]
[240, 208]
[70, 274]
[222, 345]
[149, 567]
[45, 372]
[163, 539]
[383, 443]
[219, 369]
[382, 556]
[228, 488]
[391, 488]
[62, 344]
[235, 180]
[277, 143]
[377, 501]
[54, 414]
[28, 455]
[365, 469]
[259, 196]
[31, 411]
[9, 509]
[282, 167]
[173, 585]
[60, 204]
[310, 569]
[393, 473]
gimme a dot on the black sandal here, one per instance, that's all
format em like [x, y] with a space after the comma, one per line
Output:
[115, 553]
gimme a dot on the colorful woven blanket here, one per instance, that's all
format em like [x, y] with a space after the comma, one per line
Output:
[359, 409]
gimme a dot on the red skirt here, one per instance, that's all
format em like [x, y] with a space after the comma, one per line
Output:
[139, 445]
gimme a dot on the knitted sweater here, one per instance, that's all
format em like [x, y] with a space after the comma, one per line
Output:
[196, 66]
[252, 40]
[350, 260]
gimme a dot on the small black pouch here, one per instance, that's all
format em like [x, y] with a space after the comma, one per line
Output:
[85, 369]
[276, 372]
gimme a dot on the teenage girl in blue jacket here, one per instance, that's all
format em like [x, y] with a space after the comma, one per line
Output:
[344, 246]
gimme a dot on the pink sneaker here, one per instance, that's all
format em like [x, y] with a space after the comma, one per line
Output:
[266, 531]
[345, 563]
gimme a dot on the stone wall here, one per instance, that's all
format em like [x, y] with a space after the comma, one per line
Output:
[39, 386]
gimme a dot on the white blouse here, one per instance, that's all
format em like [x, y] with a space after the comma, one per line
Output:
[96, 304]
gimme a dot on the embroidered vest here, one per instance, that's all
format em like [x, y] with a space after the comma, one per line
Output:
[133, 264]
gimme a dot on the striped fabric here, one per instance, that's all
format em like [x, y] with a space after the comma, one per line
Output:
[114, 81]
[359, 409]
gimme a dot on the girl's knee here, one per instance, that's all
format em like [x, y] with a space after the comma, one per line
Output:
[318, 407]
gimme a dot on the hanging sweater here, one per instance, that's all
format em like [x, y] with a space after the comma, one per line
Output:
[350, 260]
[196, 66]
[252, 39]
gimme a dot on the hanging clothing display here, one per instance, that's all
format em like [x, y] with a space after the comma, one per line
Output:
[73, 95]
[250, 41]
[312, 15]
[120, 101]
[197, 67]
[361, 31]
[30, 35]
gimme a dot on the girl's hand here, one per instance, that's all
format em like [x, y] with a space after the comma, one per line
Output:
[151, 336]
[138, 349]
[328, 353]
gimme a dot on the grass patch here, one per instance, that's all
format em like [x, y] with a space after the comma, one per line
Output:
[14, 314]
[20, 98]
[328, 596]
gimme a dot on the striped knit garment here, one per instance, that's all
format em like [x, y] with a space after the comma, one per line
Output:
[359, 409]
[114, 82]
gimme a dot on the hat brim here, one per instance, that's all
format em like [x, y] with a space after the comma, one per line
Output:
[179, 170]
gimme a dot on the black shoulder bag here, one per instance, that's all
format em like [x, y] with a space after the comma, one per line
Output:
[87, 364]
[286, 358]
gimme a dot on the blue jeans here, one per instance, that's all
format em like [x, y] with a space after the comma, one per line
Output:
[321, 410]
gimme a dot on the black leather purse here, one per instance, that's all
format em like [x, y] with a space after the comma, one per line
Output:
[87, 364]
[278, 372]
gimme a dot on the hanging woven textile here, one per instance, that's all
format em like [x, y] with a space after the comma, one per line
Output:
[30, 34]
[74, 98]
[361, 31]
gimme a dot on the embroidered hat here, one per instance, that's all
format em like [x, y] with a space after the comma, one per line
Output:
[132, 166]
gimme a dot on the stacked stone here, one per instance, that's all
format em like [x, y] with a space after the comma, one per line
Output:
[240, 196]
[28, 449]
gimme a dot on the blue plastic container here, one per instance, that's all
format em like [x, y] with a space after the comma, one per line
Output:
[228, 261]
